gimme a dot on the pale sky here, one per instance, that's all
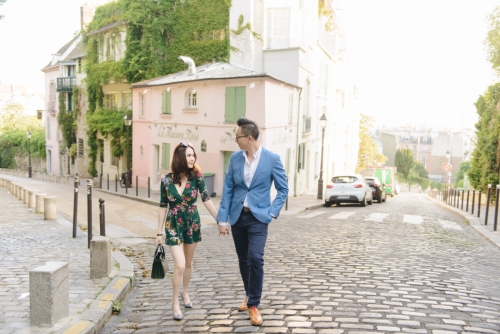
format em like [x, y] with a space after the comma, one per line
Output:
[417, 61]
[420, 61]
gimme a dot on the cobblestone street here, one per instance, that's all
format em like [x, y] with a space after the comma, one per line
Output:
[406, 265]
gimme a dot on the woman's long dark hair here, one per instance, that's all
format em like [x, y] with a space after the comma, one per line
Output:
[179, 164]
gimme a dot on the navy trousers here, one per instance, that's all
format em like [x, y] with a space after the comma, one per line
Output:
[250, 237]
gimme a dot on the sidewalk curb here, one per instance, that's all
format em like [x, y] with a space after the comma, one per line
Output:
[314, 207]
[93, 319]
[135, 198]
[493, 237]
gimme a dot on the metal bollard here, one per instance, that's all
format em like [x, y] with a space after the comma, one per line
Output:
[100, 181]
[107, 178]
[102, 219]
[75, 204]
[473, 199]
[496, 208]
[126, 183]
[136, 185]
[467, 204]
[463, 191]
[488, 198]
[457, 200]
[479, 204]
[149, 186]
[116, 183]
[89, 212]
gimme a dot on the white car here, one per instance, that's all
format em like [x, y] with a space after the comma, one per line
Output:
[351, 188]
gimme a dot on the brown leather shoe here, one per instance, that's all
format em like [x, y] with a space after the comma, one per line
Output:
[255, 317]
[243, 306]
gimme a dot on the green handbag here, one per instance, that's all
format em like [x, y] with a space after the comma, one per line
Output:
[160, 264]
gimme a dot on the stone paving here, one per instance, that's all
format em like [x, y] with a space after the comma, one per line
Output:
[28, 241]
[403, 266]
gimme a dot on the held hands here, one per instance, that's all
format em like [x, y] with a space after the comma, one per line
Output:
[223, 229]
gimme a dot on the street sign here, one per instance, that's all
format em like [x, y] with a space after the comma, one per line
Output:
[446, 167]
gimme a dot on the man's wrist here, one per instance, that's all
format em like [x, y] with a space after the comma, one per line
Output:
[222, 223]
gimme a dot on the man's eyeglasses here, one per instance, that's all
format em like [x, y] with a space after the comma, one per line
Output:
[183, 143]
[237, 137]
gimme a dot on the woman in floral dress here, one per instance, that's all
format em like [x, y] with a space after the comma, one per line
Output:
[179, 214]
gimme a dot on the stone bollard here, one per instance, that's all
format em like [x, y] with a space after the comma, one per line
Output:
[20, 193]
[26, 196]
[65, 179]
[49, 208]
[100, 257]
[31, 199]
[7, 185]
[49, 293]
[39, 205]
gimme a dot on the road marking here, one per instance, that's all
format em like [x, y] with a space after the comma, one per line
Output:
[377, 216]
[124, 235]
[412, 219]
[450, 225]
[342, 215]
[312, 214]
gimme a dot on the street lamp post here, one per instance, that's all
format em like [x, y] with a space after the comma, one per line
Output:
[322, 123]
[128, 122]
[28, 134]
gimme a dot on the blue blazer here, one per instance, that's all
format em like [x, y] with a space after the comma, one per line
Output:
[235, 189]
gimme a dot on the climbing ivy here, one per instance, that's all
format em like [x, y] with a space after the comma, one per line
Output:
[242, 28]
[157, 33]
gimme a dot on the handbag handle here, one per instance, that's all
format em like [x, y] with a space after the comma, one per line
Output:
[160, 251]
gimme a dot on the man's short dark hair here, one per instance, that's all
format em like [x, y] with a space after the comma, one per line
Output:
[248, 127]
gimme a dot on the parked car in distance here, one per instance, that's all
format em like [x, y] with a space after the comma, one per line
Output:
[396, 188]
[350, 188]
[378, 189]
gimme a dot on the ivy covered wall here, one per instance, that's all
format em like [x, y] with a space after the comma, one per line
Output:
[157, 33]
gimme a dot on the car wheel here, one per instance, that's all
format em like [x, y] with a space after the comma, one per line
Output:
[363, 202]
[384, 199]
[328, 204]
[337, 203]
[371, 201]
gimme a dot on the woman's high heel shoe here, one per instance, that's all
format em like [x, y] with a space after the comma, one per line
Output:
[178, 316]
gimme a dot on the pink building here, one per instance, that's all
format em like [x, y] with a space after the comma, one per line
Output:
[201, 106]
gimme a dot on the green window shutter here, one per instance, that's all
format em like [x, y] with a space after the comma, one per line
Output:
[290, 108]
[230, 105]
[168, 102]
[165, 156]
[240, 103]
[164, 102]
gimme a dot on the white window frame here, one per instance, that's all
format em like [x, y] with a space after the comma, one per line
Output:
[192, 98]
[110, 100]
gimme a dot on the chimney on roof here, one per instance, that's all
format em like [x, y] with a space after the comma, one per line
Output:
[190, 62]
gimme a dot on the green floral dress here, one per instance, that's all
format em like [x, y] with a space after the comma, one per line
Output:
[182, 224]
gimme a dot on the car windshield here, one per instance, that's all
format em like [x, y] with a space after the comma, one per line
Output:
[344, 179]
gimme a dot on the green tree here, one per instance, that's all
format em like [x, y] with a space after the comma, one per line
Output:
[459, 179]
[410, 171]
[368, 153]
[493, 39]
[12, 117]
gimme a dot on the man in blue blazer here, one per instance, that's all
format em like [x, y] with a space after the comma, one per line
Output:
[246, 206]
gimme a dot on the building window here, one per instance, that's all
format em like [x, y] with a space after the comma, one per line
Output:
[203, 146]
[70, 102]
[80, 147]
[114, 159]
[423, 164]
[414, 148]
[423, 157]
[235, 104]
[192, 98]
[142, 98]
[166, 102]
[302, 156]
[424, 139]
[110, 101]
[407, 139]
[127, 100]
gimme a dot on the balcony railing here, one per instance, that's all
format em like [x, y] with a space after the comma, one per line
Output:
[307, 124]
[66, 84]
